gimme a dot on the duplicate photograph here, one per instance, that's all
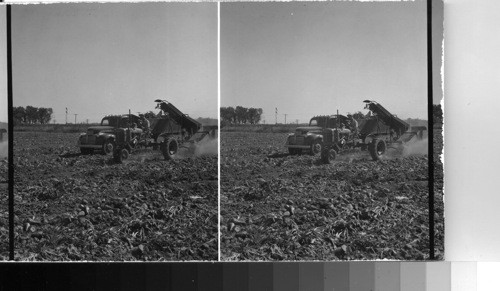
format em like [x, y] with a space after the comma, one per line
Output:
[115, 132]
[324, 131]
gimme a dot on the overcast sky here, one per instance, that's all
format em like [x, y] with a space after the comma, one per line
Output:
[314, 58]
[98, 59]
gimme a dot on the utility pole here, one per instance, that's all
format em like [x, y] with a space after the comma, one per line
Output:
[75, 118]
[276, 115]
[285, 117]
[297, 121]
[87, 121]
[66, 115]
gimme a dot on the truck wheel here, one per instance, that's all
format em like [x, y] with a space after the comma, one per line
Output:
[169, 148]
[328, 156]
[377, 148]
[292, 151]
[120, 155]
[108, 147]
[316, 147]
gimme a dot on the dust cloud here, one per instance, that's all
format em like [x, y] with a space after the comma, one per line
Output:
[207, 147]
[419, 147]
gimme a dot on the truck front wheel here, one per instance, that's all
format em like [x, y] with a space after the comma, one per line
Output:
[316, 147]
[108, 147]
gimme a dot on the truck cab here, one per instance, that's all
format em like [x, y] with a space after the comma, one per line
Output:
[310, 138]
[103, 137]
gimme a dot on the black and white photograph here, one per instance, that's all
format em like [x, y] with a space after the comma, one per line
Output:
[4, 150]
[115, 113]
[324, 131]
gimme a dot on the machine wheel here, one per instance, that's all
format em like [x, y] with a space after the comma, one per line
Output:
[120, 155]
[108, 147]
[316, 147]
[327, 156]
[169, 148]
[377, 148]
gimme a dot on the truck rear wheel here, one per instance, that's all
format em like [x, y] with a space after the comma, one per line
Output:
[169, 148]
[377, 148]
[327, 156]
[293, 151]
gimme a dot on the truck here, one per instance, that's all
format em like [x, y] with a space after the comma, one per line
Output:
[330, 135]
[377, 132]
[310, 138]
[102, 138]
[169, 131]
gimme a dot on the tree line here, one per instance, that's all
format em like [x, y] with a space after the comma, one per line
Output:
[240, 115]
[32, 115]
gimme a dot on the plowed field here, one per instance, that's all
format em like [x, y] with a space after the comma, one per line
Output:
[280, 207]
[4, 209]
[74, 207]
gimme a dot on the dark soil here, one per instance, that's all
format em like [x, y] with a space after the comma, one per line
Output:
[275, 206]
[4, 209]
[86, 207]
[438, 194]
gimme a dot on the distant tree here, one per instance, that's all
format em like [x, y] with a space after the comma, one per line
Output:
[44, 115]
[19, 115]
[241, 114]
[31, 114]
[254, 115]
[228, 114]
